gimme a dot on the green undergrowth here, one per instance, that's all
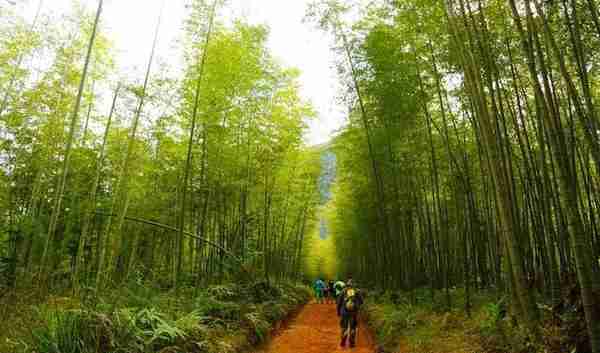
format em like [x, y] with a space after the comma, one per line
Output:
[405, 322]
[413, 323]
[218, 319]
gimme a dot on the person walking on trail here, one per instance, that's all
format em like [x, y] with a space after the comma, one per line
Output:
[330, 292]
[348, 305]
[326, 291]
[319, 290]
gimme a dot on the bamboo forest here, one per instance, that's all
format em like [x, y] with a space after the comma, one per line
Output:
[277, 176]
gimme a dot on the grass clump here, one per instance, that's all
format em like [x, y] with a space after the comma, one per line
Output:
[71, 331]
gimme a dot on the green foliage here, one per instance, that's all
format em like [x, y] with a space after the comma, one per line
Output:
[260, 292]
[494, 313]
[215, 308]
[248, 144]
[504, 337]
[457, 119]
[252, 191]
[71, 331]
[195, 323]
[259, 326]
[389, 319]
[126, 334]
[223, 292]
[156, 329]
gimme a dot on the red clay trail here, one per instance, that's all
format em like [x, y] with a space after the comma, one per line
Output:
[316, 330]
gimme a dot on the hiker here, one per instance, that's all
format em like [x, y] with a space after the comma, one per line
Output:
[330, 291]
[319, 290]
[348, 305]
[338, 287]
[325, 291]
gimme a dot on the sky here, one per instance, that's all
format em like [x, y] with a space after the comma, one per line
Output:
[130, 24]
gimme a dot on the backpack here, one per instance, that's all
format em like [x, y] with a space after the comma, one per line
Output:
[339, 287]
[350, 303]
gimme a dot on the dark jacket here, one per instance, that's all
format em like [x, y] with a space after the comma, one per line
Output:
[341, 307]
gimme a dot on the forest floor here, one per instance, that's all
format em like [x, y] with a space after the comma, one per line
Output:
[442, 333]
[316, 330]
[402, 324]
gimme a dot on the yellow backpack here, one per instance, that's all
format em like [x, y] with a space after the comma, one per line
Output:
[350, 301]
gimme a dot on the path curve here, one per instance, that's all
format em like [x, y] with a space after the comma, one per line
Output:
[316, 330]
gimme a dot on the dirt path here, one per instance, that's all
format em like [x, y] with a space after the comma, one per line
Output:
[316, 330]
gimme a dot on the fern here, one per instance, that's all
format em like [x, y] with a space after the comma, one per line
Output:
[189, 322]
[165, 334]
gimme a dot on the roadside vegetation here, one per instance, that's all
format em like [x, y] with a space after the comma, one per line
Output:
[227, 318]
[413, 323]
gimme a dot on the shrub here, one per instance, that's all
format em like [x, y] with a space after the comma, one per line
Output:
[259, 326]
[228, 292]
[274, 311]
[126, 334]
[498, 334]
[260, 292]
[207, 306]
[156, 329]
